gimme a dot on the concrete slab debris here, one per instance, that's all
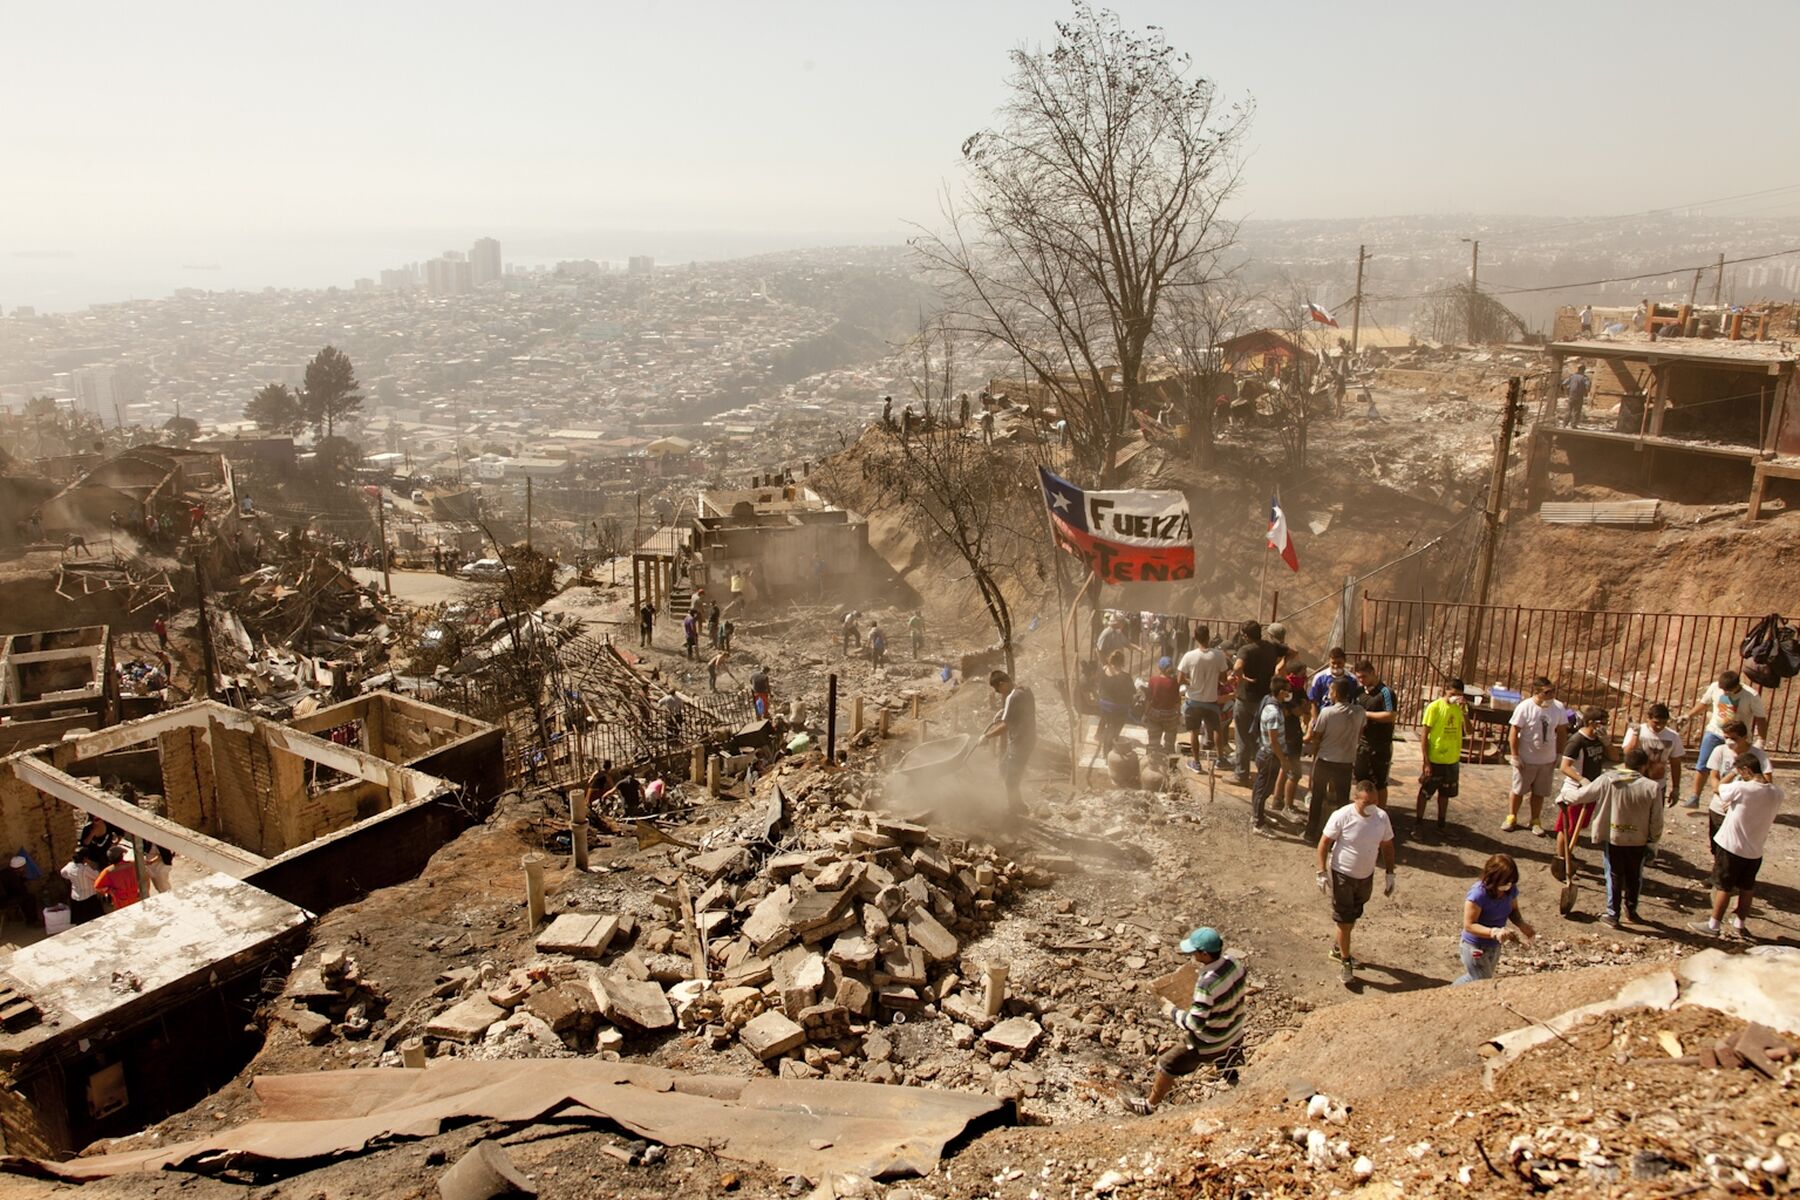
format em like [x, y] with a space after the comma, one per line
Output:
[467, 1021]
[771, 1034]
[579, 935]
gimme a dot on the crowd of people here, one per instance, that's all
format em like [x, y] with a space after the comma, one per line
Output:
[1254, 709]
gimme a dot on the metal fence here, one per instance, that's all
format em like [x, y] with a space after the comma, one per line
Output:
[1622, 661]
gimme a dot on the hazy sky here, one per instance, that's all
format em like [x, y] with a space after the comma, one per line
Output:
[190, 121]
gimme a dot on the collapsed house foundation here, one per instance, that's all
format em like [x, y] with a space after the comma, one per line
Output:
[121, 1019]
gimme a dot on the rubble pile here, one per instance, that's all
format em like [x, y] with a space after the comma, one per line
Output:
[792, 953]
[304, 599]
[331, 997]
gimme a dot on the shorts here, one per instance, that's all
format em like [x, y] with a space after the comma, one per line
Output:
[1573, 818]
[1708, 743]
[1291, 744]
[1201, 717]
[1732, 873]
[1186, 1059]
[1533, 779]
[1442, 778]
[1348, 896]
[1373, 762]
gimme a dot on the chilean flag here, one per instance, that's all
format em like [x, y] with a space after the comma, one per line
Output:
[1280, 540]
[1315, 313]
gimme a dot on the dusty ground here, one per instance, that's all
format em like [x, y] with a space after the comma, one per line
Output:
[1147, 867]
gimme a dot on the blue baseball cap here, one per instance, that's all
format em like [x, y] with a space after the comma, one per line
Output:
[1164, 661]
[1204, 938]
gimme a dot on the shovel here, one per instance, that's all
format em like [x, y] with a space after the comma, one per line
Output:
[1565, 899]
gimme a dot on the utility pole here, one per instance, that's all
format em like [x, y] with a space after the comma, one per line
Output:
[208, 663]
[1484, 564]
[1694, 290]
[1362, 254]
[387, 580]
[1474, 290]
[1719, 283]
[528, 512]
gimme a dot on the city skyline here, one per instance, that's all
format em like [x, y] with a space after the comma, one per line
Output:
[788, 126]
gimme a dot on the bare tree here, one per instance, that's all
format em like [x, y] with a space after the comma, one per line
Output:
[1201, 314]
[1291, 393]
[1098, 186]
[952, 488]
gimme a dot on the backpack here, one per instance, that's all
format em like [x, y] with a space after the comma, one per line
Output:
[1771, 652]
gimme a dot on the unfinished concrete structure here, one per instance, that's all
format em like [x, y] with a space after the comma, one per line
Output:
[292, 819]
[54, 681]
[1705, 418]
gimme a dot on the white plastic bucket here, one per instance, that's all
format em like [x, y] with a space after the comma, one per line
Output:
[56, 919]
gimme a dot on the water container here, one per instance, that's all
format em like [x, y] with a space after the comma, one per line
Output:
[1505, 696]
[56, 919]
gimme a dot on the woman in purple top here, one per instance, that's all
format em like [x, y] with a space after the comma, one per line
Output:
[1492, 904]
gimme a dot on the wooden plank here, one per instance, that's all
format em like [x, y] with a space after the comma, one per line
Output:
[220, 856]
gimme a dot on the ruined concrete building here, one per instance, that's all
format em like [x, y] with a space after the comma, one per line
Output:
[779, 541]
[53, 682]
[142, 1011]
[133, 485]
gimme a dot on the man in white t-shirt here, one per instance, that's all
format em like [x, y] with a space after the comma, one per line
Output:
[1751, 803]
[1656, 738]
[1724, 701]
[1539, 727]
[1358, 837]
[1722, 764]
[1199, 672]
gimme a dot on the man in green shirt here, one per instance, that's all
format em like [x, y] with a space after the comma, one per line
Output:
[1441, 743]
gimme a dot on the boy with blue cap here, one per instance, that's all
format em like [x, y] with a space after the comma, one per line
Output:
[1212, 1024]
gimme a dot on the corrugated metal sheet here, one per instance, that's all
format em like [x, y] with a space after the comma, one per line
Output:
[1631, 513]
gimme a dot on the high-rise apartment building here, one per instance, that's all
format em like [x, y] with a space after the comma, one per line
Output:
[640, 264]
[484, 261]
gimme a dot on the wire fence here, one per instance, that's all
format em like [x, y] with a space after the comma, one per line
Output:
[1621, 661]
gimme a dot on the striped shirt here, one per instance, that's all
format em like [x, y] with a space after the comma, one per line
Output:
[1215, 1021]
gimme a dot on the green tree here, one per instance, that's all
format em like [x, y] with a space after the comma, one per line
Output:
[331, 392]
[336, 457]
[181, 430]
[276, 409]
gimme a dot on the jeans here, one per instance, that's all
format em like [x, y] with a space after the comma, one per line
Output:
[1266, 769]
[1624, 877]
[1330, 792]
[1708, 743]
[1475, 968]
[1243, 719]
[1012, 772]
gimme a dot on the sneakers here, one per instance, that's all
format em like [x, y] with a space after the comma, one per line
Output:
[1706, 927]
[1691, 802]
[1194, 765]
[1338, 957]
[1737, 927]
[1631, 914]
[1262, 831]
[1347, 972]
[1610, 920]
[1538, 829]
[1511, 823]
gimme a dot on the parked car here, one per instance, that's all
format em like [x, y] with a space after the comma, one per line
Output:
[483, 568]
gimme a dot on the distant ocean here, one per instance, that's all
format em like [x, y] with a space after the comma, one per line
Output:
[60, 276]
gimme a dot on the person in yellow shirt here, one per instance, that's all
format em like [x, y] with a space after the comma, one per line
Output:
[1441, 743]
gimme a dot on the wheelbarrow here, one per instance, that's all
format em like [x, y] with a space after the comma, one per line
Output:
[931, 763]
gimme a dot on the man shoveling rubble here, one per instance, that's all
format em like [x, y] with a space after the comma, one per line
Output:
[1017, 724]
[1212, 1024]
